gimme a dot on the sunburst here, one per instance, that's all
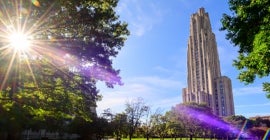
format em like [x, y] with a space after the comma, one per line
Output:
[18, 40]
[27, 36]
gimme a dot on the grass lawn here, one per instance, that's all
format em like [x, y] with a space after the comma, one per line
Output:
[165, 139]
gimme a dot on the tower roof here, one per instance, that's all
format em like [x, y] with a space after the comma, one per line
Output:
[201, 11]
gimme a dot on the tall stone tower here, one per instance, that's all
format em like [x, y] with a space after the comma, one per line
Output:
[205, 83]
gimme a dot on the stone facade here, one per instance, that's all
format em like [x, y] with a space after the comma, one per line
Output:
[205, 83]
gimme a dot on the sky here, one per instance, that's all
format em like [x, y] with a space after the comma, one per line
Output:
[153, 60]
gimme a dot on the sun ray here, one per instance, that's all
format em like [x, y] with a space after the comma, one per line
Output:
[19, 16]
[44, 17]
[6, 15]
[14, 23]
[8, 70]
[40, 46]
[26, 19]
[32, 74]
[4, 48]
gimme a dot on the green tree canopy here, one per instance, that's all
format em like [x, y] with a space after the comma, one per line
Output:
[72, 43]
[249, 28]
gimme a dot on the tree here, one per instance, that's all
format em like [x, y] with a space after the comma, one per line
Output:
[259, 127]
[120, 125]
[176, 128]
[160, 126]
[237, 120]
[261, 122]
[249, 29]
[72, 45]
[197, 120]
[240, 124]
[149, 124]
[135, 110]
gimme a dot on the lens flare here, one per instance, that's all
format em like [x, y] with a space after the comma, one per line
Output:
[215, 122]
[267, 135]
[241, 132]
[36, 3]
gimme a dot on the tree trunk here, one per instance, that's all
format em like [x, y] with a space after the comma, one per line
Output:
[13, 136]
[131, 133]
[130, 136]
[117, 136]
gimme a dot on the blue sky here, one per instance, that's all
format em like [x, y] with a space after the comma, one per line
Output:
[153, 60]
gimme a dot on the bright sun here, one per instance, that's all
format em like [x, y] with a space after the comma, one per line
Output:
[19, 41]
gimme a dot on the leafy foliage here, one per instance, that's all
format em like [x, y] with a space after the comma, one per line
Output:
[160, 125]
[120, 125]
[182, 121]
[249, 29]
[73, 43]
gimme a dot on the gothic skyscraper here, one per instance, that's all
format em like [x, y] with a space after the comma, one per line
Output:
[205, 83]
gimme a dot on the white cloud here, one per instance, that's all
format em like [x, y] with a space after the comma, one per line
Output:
[253, 105]
[178, 73]
[162, 69]
[141, 16]
[247, 90]
[254, 114]
[167, 103]
[117, 97]
[156, 91]
[155, 81]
